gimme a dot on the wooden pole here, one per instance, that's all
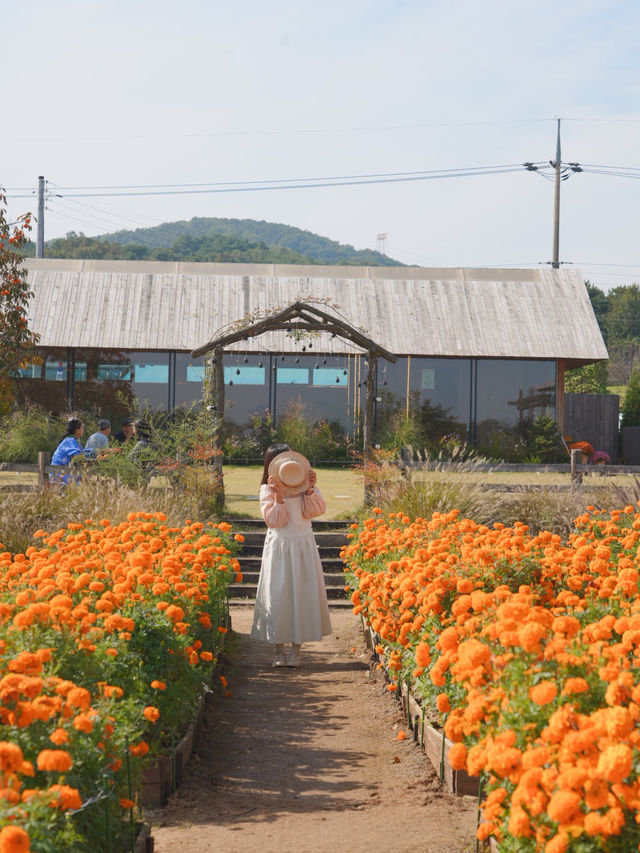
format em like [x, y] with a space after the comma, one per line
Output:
[367, 431]
[215, 403]
[44, 458]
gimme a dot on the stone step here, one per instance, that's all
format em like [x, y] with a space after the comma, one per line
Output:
[332, 539]
[248, 591]
[255, 550]
[329, 564]
[241, 524]
[250, 576]
[334, 603]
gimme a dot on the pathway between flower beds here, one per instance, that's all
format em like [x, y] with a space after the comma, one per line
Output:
[308, 760]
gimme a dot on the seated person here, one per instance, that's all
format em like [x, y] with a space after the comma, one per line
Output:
[127, 432]
[99, 440]
[69, 448]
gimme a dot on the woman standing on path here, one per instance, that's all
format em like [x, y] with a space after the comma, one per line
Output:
[291, 600]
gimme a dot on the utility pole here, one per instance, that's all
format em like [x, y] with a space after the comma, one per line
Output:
[40, 232]
[555, 258]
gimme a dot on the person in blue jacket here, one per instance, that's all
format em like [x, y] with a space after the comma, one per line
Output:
[69, 447]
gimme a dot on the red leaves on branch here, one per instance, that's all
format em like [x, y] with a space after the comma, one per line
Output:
[16, 341]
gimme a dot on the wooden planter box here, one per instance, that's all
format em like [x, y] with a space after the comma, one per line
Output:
[428, 737]
[164, 774]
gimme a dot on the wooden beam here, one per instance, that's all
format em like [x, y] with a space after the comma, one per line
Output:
[317, 320]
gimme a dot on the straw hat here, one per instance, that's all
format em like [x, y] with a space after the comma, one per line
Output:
[291, 470]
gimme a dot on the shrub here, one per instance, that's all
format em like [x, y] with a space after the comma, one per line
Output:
[24, 433]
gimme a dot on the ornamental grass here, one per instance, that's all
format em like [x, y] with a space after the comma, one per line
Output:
[108, 636]
[526, 648]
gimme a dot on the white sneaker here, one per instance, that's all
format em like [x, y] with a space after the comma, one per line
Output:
[293, 659]
[280, 659]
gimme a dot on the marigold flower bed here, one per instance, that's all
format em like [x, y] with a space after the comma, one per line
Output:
[527, 650]
[108, 635]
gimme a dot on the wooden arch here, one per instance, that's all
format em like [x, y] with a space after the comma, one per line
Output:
[300, 317]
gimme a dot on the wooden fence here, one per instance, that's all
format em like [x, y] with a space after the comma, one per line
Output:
[594, 418]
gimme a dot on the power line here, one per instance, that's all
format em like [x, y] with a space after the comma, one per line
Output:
[288, 183]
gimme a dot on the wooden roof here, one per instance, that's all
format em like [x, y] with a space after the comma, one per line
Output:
[145, 305]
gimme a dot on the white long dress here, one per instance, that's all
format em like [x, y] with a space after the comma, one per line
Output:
[291, 600]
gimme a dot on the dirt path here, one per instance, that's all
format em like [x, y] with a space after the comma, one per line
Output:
[307, 760]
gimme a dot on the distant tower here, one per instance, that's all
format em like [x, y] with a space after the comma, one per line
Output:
[381, 244]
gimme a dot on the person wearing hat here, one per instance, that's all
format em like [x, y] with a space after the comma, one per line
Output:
[127, 432]
[99, 440]
[291, 599]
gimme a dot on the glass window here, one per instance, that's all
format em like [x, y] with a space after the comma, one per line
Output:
[510, 392]
[244, 375]
[329, 377]
[293, 376]
[30, 371]
[151, 373]
[440, 390]
[55, 371]
[195, 373]
[114, 372]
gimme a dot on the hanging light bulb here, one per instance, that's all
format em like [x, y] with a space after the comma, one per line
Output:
[344, 372]
[281, 358]
[324, 360]
[297, 360]
[231, 382]
[259, 364]
[316, 366]
[237, 371]
[246, 359]
[338, 379]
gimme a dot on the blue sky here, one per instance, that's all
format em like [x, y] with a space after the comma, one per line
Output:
[108, 93]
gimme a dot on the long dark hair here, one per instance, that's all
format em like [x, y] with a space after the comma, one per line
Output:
[72, 425]
[271, 453]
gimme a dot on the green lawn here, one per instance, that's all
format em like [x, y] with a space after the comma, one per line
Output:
[342, 489]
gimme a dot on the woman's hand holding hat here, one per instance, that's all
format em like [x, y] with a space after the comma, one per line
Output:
[312, 482]
[275, 487]
[291, 471]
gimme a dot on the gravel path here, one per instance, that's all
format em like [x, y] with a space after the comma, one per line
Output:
[308, 760]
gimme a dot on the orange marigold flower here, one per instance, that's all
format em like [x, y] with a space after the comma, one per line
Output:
[82, 723]
[615, 762]
[575, 685]
[543, 693]
[13, 839]
[423, 654]
[558, 844]
[125, 803]
[79, 697]
[150, 713]
[443, 703]
[158, 685]
[59, 736]
[54, 760]
[68, 798]
[457, 756]
[11, 757]
[402, 735]
[564, 806]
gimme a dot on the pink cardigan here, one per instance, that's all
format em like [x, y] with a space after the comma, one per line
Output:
[277, 515]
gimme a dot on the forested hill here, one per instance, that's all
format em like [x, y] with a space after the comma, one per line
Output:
[312, 247]
[215, 248]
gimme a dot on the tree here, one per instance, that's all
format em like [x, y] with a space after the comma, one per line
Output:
[16, 341]
[590, 379]
[600, 305]
[631, 406]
